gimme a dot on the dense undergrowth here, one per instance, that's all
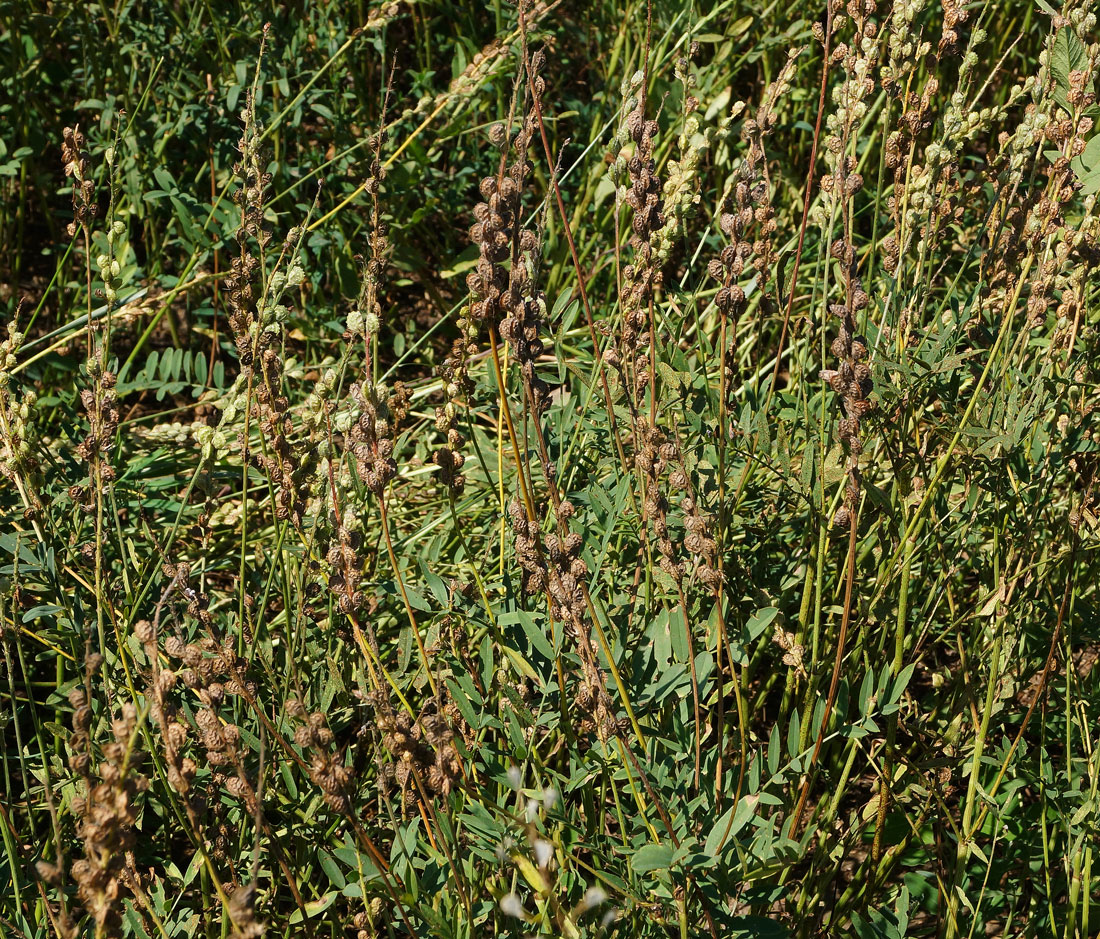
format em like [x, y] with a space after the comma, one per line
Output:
[571, 469]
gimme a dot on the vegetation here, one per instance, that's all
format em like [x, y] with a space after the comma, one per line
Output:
[566, 468]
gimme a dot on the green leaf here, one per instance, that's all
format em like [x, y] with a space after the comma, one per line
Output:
[38, 612]
[897, 688]
[866, 687]
[652, 857]
[532, 630]
[794, 734]
[463, 703]
[1067, 54]
[732, 821]
[773, 750]
[313, 907]
[836, 466]
[1090, 156]
[332, 869]
[759, 621]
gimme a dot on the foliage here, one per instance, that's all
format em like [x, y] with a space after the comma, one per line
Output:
[572, 469]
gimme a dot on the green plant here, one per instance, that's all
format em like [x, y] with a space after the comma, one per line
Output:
[640, 482]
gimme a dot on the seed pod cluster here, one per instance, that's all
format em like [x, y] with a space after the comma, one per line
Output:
[746, 216]
[449, 457]
[372, 438]
[327, 769]
[652, 460]
[747, 219]
[528, 554]
[253, 229]
[256, 323]
[345, 562]
[175, 733]
[851, 379]
[634, 173]
[680, 192]
[106, 811]
[499, 287]
[840, 187]
[101, 405]
[211, 671]
[242, 911]
[553, 565]
[456, 386]
[364, 922]
[283, 461]
[954, 16]
[17, 435]
[75, 163]
[569, 571]
[423, 750]
[365, 321]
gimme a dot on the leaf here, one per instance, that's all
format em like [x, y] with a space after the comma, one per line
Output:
[759, 621]
[740, 26]
[652, 857]
[1090, 156]
[836, 467]
[897, 688]
[1090, 183]
[670, 377]
[39, 611]
[1067, 54]
[1087, 166]
[783, 449]
[531, 630]
[794, 735]
[313, 907]
[530, 873]
[764, 430]
[865, 689]
[192, 869]
[734, 819]
[332, 869]
[164, 179]
[463, 703]
[806, 472]
[756, 927]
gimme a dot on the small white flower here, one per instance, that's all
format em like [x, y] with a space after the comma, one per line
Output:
[510, 905]
[544, 851]
[594, 896]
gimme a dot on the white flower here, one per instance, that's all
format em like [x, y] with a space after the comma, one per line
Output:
[593, 896]
[544, 851]
[510, 905]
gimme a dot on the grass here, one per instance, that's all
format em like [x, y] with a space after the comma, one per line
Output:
[560, 469]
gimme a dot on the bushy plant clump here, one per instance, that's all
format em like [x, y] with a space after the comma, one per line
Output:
[549, 468]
